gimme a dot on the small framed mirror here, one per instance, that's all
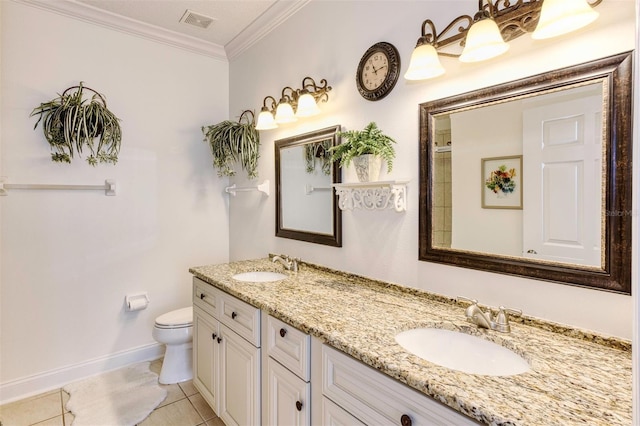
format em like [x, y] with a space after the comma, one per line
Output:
[533, 177]
[306, 204]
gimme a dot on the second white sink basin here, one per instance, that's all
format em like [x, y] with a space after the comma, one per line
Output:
[259, 276]
[462, 352]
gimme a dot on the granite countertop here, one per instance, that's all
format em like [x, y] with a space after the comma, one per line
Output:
[576, 377]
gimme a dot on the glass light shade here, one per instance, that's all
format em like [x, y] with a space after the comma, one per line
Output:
[284, 113]
[483, 41]
[307, 106]
[424, 63]
[265, 121]
[559, 17]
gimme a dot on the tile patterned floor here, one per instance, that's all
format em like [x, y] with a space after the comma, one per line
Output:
[184, 406]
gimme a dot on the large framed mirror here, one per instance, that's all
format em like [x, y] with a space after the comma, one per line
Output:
[533, 177]
[306, 204]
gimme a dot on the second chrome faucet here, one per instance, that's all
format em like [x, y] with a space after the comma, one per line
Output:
[499, 322]
[289, 263]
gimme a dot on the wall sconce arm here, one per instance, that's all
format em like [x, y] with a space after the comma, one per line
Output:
[319, 92]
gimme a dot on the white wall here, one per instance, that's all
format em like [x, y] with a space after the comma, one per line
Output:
[68, 258]
[326, 40]
[474, 137]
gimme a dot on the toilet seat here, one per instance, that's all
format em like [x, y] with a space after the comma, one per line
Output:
[180, 318]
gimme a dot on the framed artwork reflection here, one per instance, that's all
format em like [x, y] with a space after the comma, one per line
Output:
[502, 182]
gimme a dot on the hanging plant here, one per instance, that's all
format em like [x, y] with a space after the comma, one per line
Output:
[71, 124]
[234, 142]
[318, 151]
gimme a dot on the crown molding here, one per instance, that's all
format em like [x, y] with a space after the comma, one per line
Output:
[92, 15]
[263, 25]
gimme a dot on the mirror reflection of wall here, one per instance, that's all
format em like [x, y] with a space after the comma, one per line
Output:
[559, 135]
[306, 188]
[442, 183]
[306, 204]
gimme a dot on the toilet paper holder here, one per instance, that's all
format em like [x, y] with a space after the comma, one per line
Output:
[136, 302]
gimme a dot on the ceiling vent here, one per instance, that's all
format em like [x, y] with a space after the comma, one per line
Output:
[192, 18]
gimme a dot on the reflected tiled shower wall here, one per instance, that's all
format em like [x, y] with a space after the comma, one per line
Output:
[442, 189]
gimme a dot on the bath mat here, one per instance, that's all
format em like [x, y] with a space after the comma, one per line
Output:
[122, 397]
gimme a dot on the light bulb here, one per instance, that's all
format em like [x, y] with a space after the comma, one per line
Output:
[483, 41]
[424, 63]
[559, 17]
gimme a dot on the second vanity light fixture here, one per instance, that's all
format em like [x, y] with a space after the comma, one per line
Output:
[485, 35]
[293, 104]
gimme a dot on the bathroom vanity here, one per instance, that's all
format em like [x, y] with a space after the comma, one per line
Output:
[318, 347]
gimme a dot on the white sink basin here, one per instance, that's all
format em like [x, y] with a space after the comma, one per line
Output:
[462, 352]
[259, 276]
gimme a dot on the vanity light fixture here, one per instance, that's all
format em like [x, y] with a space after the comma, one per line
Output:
[484, 40]
[284, 111]
[485, 35]
[293, 104]
[563, 16]
[265, 118]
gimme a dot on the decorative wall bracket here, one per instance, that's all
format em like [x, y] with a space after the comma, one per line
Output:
[372, 195]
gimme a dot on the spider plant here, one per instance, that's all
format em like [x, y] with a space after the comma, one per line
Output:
[71, 123]
[234, 141]
[318, 151]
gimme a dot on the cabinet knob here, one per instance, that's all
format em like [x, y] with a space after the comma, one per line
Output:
[405, 420]
[233, 315]
[283, 332]
[202, 296]
[220, 340]
[299, 405]
[213, 336]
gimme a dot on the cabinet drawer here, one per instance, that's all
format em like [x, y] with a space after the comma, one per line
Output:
[205, 297]
[289, 346]
[375, 398]
[240, 317]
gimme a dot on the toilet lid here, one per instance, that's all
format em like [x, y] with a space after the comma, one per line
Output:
[178, 317]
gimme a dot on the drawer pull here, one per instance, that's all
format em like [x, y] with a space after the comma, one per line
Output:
[213, 336]
[233, 315]
[283, 332]
[202, 295]
[405, 420]
[299, 405]
[220, 340]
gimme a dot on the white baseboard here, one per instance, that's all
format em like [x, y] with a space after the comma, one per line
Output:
[57, 378]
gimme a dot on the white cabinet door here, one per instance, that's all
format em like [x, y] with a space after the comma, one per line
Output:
[205, 356]
[289, 397]
[334, 415]
[239, 395]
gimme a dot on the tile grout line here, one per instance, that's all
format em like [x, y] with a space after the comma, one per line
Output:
[197, 411]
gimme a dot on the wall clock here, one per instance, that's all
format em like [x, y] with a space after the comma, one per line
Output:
[378, 71]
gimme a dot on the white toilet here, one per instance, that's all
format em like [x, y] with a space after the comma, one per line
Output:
[175, 330]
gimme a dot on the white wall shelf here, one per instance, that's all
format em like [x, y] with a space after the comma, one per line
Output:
[372, 195]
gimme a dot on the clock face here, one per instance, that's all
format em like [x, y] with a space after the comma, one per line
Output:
[375, 71]
[378, 71]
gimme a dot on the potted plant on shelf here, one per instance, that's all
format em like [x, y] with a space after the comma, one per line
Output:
[71, 123]
[234, 141]
[367, 149]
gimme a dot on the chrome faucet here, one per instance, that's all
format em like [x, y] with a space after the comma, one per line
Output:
[499, 322]
[289, 263]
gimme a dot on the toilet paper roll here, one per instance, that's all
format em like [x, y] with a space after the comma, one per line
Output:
[137, 304]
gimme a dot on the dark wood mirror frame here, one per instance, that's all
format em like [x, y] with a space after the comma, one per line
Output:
[615, 275]
[334, 239]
